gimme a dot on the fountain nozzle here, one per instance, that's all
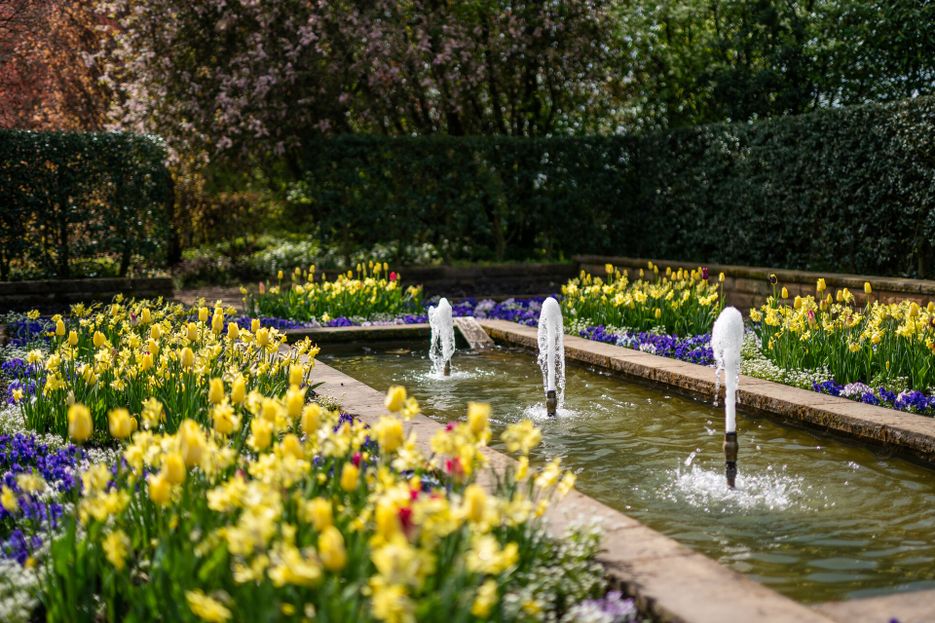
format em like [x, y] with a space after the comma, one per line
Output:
[551, 402]
[447, 369]
[730, 458]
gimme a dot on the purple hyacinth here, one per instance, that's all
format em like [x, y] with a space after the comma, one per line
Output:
[22, 454]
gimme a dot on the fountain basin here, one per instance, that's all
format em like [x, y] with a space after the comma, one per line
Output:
[813, 517]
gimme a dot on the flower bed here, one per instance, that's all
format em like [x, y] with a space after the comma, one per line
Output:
[232, 496]
[372, 290]
[879, 354]
[678, 302]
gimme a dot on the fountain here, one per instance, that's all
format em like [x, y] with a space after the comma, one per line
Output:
[443, 337]
[552, 355]
[726, 340]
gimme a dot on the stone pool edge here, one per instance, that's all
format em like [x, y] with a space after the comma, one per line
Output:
[910, 433]
[668, 580]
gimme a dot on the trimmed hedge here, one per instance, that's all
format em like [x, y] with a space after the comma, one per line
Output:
[475, 198]
[67, 197]
[842, 190]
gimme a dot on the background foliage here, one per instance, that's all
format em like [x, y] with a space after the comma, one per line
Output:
[68, 197]
[848, 190]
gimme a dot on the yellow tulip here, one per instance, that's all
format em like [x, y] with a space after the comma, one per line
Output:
[99, 339]
[319, 513]
[121, 425]
[191, 442]
[72, 338]
[187, 358]
[331, 549]
[295, 401]
[389, 433]
[233, 331]
[8, 500]
[225, 422]
[475, 503]
[350, 475]
[173, 468]
[867, 288]
[478, 417]
[238, 390]
[215, 391]
[217, 321]
[395, 398]
[160, 491]
[296, 374]
[80, 425]
[785, 292]
[59, 327]
[145, 316]
[291, 446]
[311, 416]
[202, 314]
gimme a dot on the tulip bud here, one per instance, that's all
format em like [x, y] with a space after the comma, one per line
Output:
[72, 338]
[80, 425]
[311, 417]
[215, 391]
[350, 475]
[238, 390]
[867, 288]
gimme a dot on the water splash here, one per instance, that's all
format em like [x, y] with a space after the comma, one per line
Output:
[704, 488]
[552, 349]
[443, 336]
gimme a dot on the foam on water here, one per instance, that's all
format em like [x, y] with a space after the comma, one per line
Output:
[538, 412]
[763, 491]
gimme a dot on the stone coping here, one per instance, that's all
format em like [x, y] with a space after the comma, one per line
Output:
[910, 433]
[914, 607]
[668, 580]
[330, 335]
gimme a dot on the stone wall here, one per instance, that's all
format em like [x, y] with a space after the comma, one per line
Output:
[497, 281]
[748, 286]
[57, 294]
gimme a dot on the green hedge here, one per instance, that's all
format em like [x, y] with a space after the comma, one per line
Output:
[847, 190]
[474, 198]
[68, 197]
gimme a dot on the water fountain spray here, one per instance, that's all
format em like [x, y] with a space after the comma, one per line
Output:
[443, 337]
[552, 355]
[726, 340]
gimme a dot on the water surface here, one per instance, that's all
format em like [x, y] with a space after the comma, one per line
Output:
[814, 517]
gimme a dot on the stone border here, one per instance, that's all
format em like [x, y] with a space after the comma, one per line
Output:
[911, 607]
[914, 434]
[668, 579]
[330, 335]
